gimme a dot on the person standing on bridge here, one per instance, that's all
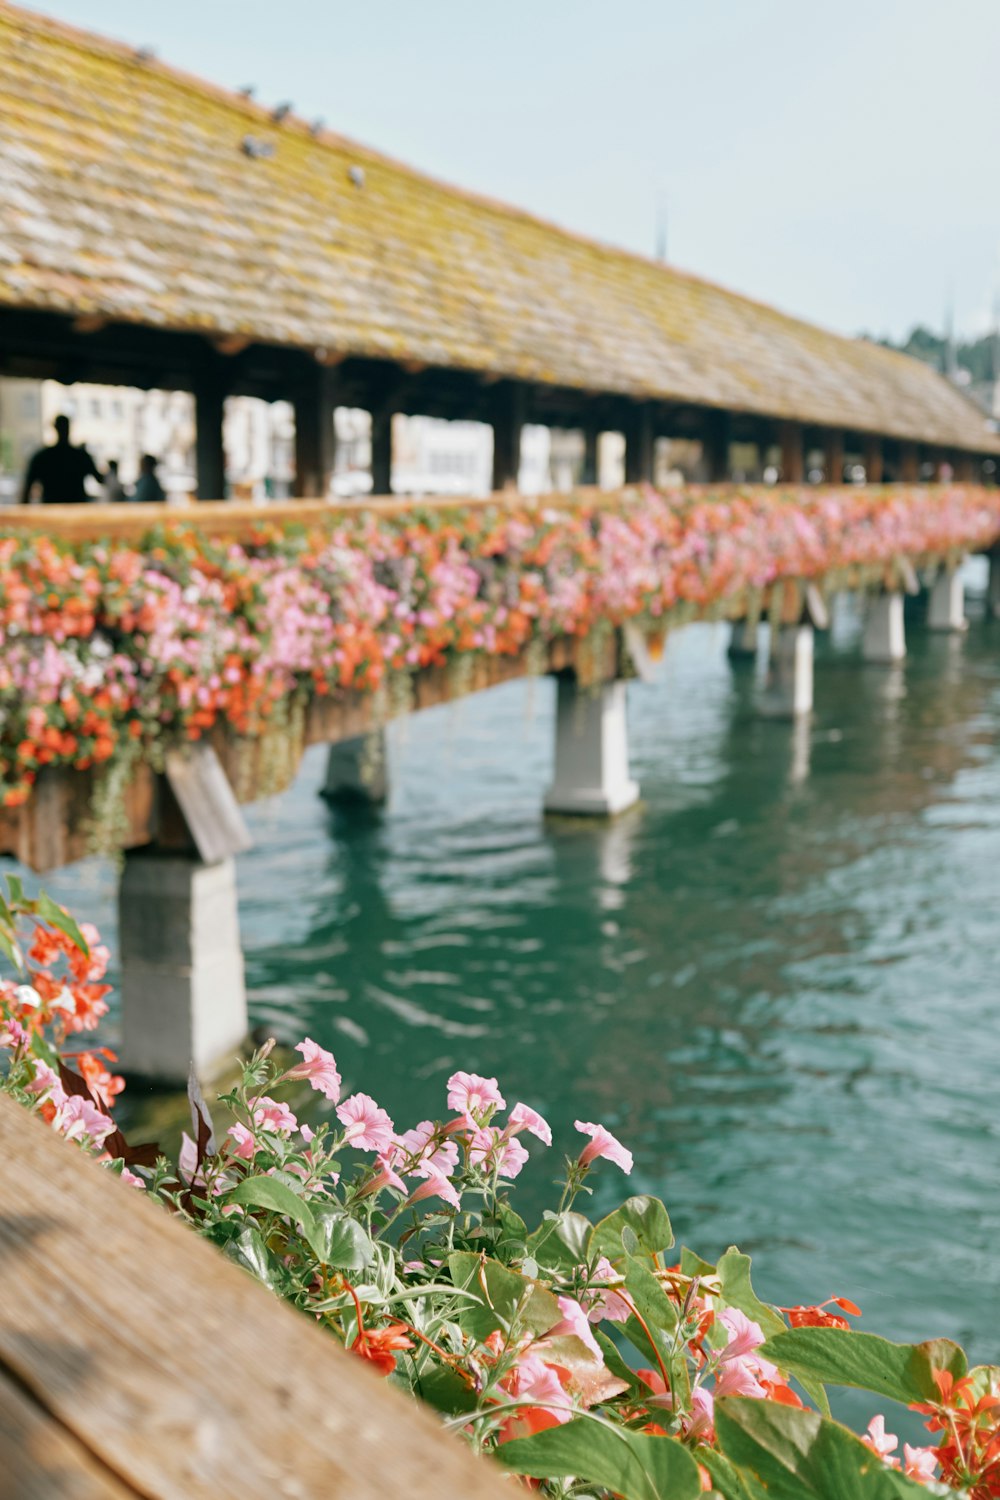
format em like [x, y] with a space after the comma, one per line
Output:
[148, 488]
[60, 471]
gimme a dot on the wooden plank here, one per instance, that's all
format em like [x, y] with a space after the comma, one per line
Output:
[42, 1461]
[177, 1371]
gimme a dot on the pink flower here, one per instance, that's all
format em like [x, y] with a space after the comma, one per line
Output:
[269, 1114]
[744, 1336]
[603, 1143]
[473, 1096]
[532, 1381]
[444, 1157]
[46, 1084]
[574, 1321]
[132, 1178]
[368, 1128]
[606, 1304]
[881, 1442]
[187, 1157]
[738, 1377]
[490, 1149]
[701, 1422]
[919, 1463]
[319, 1067]
[78, 1119]
[385, 1176]
[522, 1117]
[244, 1144]
[308, 1134]
[12, 1034]
[435, 1185]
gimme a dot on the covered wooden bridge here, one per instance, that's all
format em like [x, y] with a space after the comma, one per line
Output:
[158, 232]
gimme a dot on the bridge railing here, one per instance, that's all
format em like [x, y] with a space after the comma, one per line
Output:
[136, 1360]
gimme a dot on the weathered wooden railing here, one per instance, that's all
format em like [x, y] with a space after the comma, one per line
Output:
[136, 1360]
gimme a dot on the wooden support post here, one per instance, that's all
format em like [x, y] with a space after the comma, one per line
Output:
[639, 445]
[965, 468]
[909, 463]
[590, 473]
[508, 420]
[833, 457]
[874, 467]
[715, 444]
[382, 451]
[315, 439]
[209, 388]
[793, 458]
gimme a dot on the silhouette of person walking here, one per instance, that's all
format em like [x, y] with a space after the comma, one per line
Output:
[59, 471]
[148, 487]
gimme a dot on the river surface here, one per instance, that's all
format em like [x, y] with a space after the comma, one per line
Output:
[777, 980]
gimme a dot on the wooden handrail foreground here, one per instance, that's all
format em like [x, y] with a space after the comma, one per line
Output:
[136, 1360]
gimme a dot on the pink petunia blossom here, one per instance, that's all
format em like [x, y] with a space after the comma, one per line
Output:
[523, 1117]
[244, 1144]
[367, 1126]
[881, 1442]
[46, 1084]
[607, 1304]
[78, 1119]
[12, 1034]
[474, 1097]
[319, 1067]
[443, 1158]
[132, 1178]
[271, 1114]
[603, 1143]
[574, 1321]
[308, 1134]
[738, 1377]
[744, 1336]
[385, 1176]
[919, 1463]
[490, 1148]
[701, 1422]
[435, 1185]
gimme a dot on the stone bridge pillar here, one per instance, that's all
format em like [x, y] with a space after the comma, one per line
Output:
[182, 985]
[591, 772]
[885, 634]
[946, 609]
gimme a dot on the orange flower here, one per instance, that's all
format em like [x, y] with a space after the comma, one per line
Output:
[378, 1346]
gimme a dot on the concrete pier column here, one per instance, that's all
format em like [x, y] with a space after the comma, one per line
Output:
[744, 640]
[183, 993]
[789, 690]
[357, 770]
[885, 636]
[946, 610]
[591, 754]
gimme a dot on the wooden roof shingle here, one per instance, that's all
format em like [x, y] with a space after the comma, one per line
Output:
[127, 191]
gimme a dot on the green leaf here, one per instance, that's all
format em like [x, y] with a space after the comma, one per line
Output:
[839, 1356]
[737, 1291]
[660, 1316]
[725, 1478]
[561, 1241]
[15, 889]
[614, 1362]
[693, 1265]
[264, 1192]
[249, 1251]
[631, 1464]
[503, 1297]
[444, 1390]
[8, 949]
[791, 1453]
[340, 1242]
[49, 912]
[642, 1216]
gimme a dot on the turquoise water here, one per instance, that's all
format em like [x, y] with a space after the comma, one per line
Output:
[777, 980]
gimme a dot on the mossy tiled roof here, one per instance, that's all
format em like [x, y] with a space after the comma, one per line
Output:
[126, 191]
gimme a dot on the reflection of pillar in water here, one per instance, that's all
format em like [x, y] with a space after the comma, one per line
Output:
[789, 690]
[615, 859]
[799, 767]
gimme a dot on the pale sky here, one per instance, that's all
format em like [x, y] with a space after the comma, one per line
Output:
[838, 160]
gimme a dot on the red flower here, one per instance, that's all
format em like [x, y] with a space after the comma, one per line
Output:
[379, 1345]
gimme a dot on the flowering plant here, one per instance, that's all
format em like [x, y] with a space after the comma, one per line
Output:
[110, 650]
[581, 1355]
